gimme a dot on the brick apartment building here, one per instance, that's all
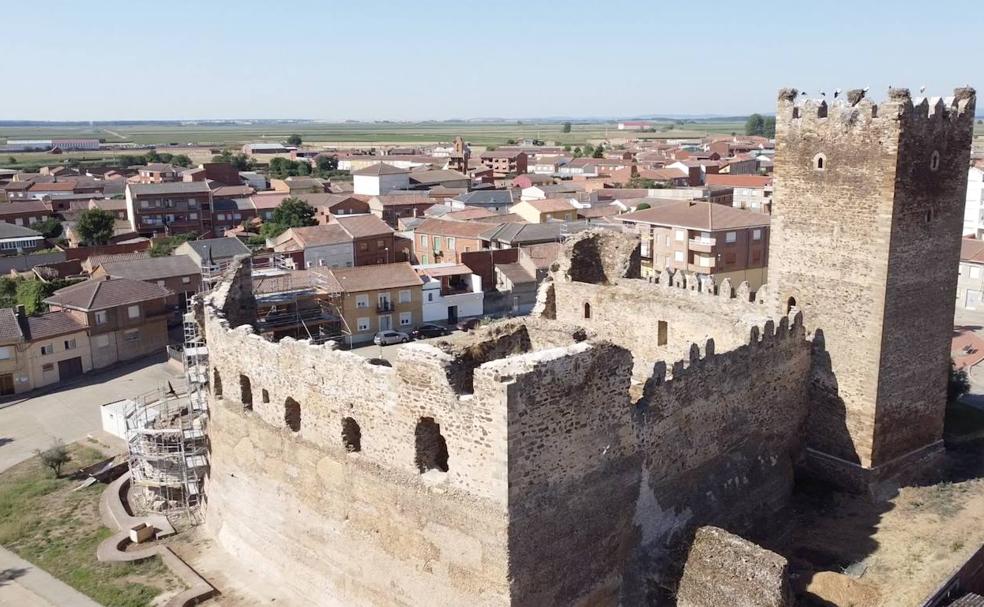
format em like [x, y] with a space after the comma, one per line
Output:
[177, 207]
[702, 237]
[505, 163]
[444, 241]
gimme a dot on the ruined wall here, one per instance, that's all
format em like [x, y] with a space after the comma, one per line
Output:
[864, 241]
[629, 314]
[361, 527]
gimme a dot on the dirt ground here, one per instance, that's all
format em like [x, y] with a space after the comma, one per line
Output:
[855, 551]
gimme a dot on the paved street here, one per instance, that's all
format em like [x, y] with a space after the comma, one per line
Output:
[69, 414]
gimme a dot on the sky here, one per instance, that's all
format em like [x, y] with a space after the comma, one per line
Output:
[426, 59]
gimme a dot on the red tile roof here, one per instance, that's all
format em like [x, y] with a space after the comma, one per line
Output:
[697, 216]
[456, 229]
[101, 294]
[972, 250]
[738, 181]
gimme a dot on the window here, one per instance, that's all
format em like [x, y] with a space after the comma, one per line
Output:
[216, 383]
[47, 349]
[265, 395]
[380, 244]
[757, 234]
[185, 279]
[362, 301]
[292, 414]
[790, 304]
[451, 242]
[71, 344]
[47, 367]
[681, 235]
[431, 450]
[6, 353]
[678, 256]
[730, 237]
[587, 310]
[437, 243]
[133, 312]
[405, 296]
[975, 272]
[363, 324]
[100, 341]
[406, 319]
[703, 261]
[423, 240]
[245, 392]
[144, 204]
[351, 435]
[820, 162]
[934, 161]
[430, 296]
[662, 329]
[160, 283]
[363, 246]
[131, 335]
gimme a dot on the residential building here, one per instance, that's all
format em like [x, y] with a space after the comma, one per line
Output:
[375, 298]
[17, 240]
[266, 203]
[253, 149]
[321, 245]
[24, 212]
[380, 178]
[450, 292]
[156, 172]
[974, 210]
[511, 235]
[228, 213]
[117, 207]
[566, 189]
[293, 186]
[752, 192]
[178, 207]
[212, 251]
[970, 282]
[373, 241]
[392, 207]
[328, 205]
[505, 163]
[123, 318]
[57, 348]
[542, 211]
[179, 274]
[15, 374]
[516, 287]
[257, 181]
[497, 201]
[444, 241]
[446, 178]
[703, 238]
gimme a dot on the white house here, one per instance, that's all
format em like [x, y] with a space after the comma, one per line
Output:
[380, 178]
[974, 209]
[451, 293]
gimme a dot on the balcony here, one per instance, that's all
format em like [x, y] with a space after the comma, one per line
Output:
[703, 265]
[702, 244]
[384, 306]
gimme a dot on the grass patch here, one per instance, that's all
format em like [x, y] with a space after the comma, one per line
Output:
[57, 529]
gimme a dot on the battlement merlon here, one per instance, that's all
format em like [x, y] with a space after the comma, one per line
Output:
[855, 109]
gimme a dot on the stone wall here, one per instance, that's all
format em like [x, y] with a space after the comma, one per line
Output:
[866, 232]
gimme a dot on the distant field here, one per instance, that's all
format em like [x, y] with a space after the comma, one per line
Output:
[481, 134]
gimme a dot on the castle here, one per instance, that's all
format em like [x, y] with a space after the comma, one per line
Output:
[566, 458]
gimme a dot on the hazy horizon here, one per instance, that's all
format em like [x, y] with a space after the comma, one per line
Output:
[119, 61]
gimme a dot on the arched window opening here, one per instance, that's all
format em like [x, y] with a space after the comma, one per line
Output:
[790, 304]
[587, 310]
[351, 435]
[796, 112]
[216, 383]
[245, 391]
[265, 396]
[820, 162]
[431, 448]
[292, 414]
[934, 161]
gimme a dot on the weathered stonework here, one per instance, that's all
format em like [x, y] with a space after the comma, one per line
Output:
[567, 458]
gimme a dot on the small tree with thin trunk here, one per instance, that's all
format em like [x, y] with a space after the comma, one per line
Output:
[55, 456]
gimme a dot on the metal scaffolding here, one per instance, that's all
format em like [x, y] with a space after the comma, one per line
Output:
[293, 302]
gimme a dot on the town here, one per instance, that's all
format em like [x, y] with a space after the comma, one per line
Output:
[572, 353]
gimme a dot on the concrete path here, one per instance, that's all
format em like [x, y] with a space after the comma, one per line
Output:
[69, 414]
[24, 585]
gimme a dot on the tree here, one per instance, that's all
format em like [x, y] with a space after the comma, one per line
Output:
[32, 293]
[54, 457]
[12, 160]
[510, 142]
[578, 152]
[599, 152]
[294, 139]
[326, 165]
[294, 213]
[642, 206]
[958, 384]
[49, 228]
[755, 125]
[181, 160]
[95, 226]
[165, 246]
[588, 149]
[567, 148]
[769, 128]
[567, 128]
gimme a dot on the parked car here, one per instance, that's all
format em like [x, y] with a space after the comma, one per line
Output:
[468, 325]
[429, 330]
[385, 338]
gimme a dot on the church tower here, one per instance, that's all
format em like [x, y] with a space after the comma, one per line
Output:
[866, 227]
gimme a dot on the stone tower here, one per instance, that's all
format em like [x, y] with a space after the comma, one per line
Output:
[866, 234]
